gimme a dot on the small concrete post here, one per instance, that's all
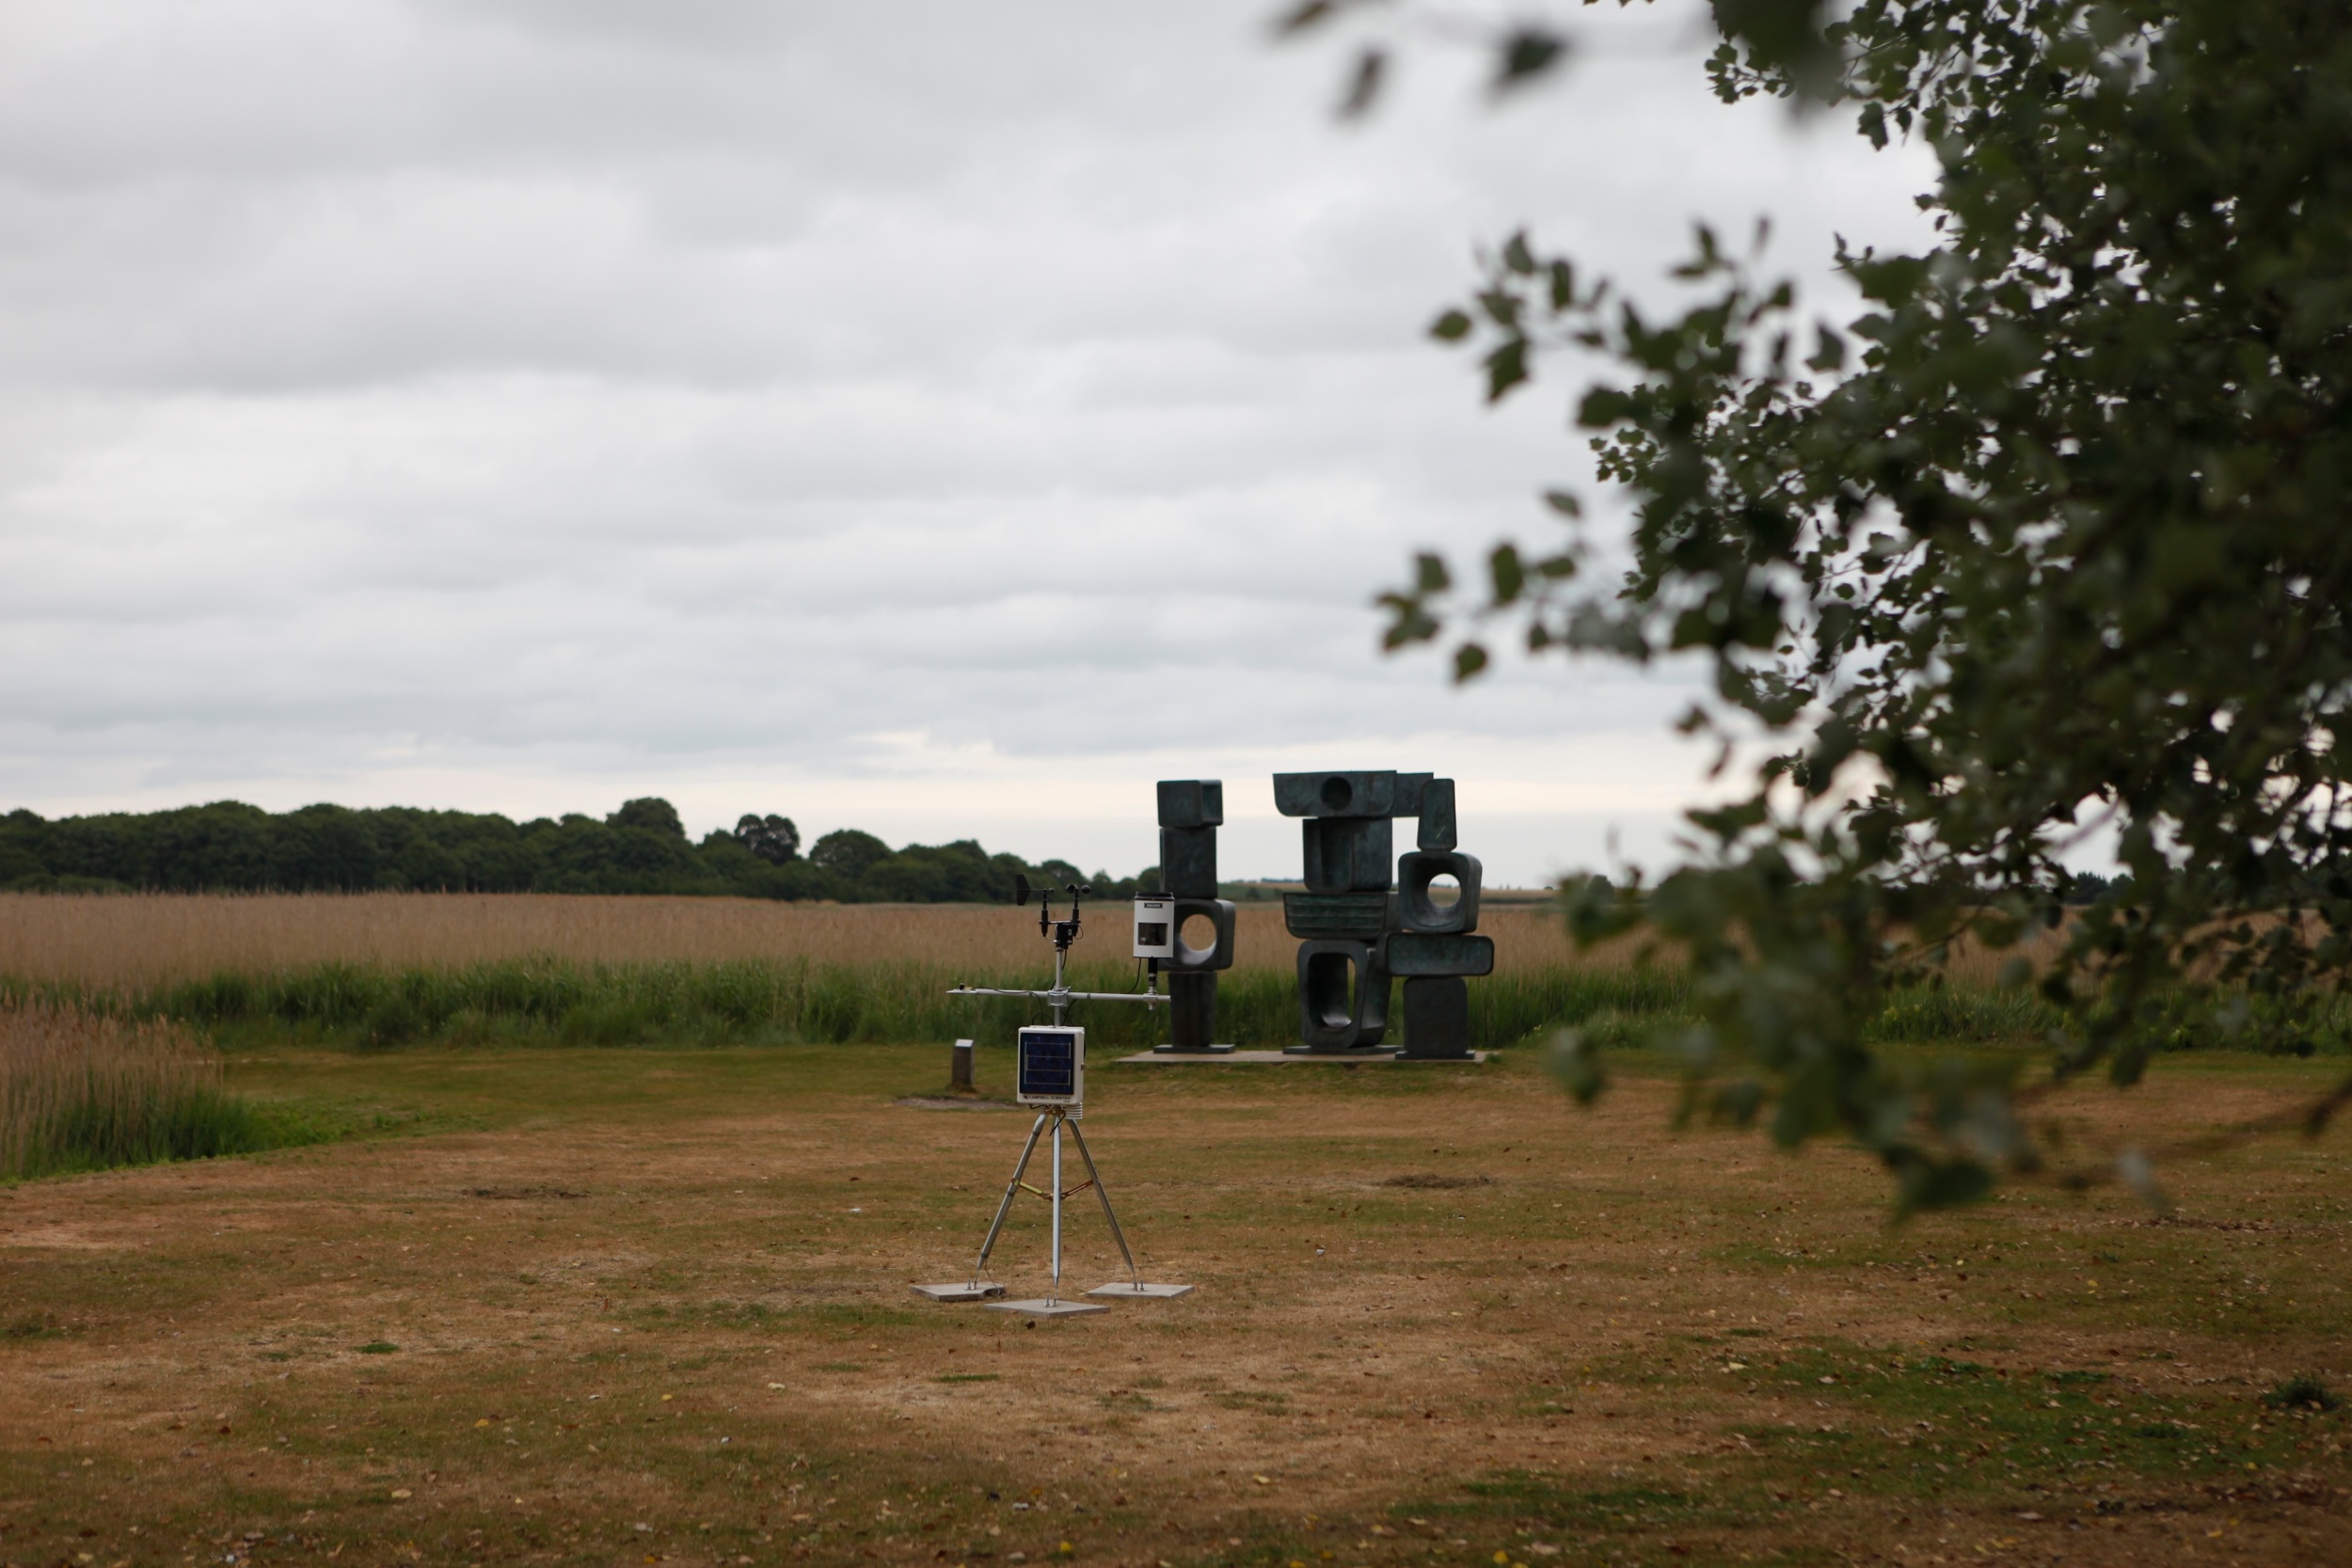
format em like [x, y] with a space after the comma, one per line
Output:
[960, 1069]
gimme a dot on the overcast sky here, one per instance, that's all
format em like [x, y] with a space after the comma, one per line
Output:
[935, 418]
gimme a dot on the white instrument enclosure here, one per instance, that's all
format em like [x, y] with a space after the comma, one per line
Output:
[1155, 927]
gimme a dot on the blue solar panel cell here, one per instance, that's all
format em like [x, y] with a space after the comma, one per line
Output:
[1049, 1064]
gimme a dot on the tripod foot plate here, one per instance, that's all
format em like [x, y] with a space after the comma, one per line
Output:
[1043, 1308]
[958, 1293]
[1127, 1291]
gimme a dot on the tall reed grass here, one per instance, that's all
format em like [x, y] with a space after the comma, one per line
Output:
[143, 939]
[80, 1090]
[547, 1001]
[388, 969]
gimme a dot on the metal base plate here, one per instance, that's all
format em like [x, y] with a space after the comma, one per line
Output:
[1203, 1051]
[1129, 1291]
[1043, 1308]
[958, 1293]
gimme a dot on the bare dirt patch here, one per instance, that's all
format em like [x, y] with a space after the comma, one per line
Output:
[1437, 1319]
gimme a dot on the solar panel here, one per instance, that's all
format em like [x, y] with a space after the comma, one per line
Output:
[1050, 1067]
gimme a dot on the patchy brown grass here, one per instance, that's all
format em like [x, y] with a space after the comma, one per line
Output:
[147, 939]
[651, 1305]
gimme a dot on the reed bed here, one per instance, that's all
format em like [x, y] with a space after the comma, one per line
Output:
[386, 968]
[129, 942]
[544, 1001]
[81, 1090]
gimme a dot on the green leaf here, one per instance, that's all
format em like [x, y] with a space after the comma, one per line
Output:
[1506, 367]
[1469, 659]
[1363, 84]
[1604, 407]
[1526, 54]
[1574, 1059]
[1306, 15]
[1829, 352]
[1450, 327]
[1509, 576]
[1929, 1183]
[1563, 285]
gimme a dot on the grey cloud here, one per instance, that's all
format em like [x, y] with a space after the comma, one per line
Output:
[511, 400]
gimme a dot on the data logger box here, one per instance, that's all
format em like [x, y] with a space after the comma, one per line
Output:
[1155, 927]
[1050, 1066]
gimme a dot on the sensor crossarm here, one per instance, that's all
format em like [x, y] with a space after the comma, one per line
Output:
[1148, 998]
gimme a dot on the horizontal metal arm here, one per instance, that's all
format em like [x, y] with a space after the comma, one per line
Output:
[1147, 998]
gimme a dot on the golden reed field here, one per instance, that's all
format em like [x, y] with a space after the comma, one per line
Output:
[146, 938]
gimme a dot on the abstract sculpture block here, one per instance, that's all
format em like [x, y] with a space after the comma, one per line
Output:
[1191, 1010]
[1364, 916]
[1366, 919]
[1342, 995]
[1416, 870]
[1436, 827]
[1190, 812]
[1335, 794]
[1188, 861]
[1219, 953]
[1436, 1018]
[1347, 853]
[1192, 803]
[1432, 953]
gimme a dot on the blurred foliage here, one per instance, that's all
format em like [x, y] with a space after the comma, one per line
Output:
[2044, 548]
[228, 846]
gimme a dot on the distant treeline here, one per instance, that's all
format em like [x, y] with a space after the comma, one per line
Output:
[228, 846]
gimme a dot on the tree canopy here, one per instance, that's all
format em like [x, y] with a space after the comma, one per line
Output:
[2045, 548]
[643, 847]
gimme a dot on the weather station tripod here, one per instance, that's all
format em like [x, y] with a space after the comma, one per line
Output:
[1050, 1073]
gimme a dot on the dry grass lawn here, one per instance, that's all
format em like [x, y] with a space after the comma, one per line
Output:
[635, 1306]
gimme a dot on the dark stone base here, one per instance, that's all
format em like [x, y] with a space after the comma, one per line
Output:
[1437, 1019]
[1191, 1011]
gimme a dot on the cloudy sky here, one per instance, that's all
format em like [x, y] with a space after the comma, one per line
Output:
[935, 418]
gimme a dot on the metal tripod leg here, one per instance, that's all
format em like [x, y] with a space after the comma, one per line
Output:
[1104, 1193]
[1055, 1293]
[980, 1267]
